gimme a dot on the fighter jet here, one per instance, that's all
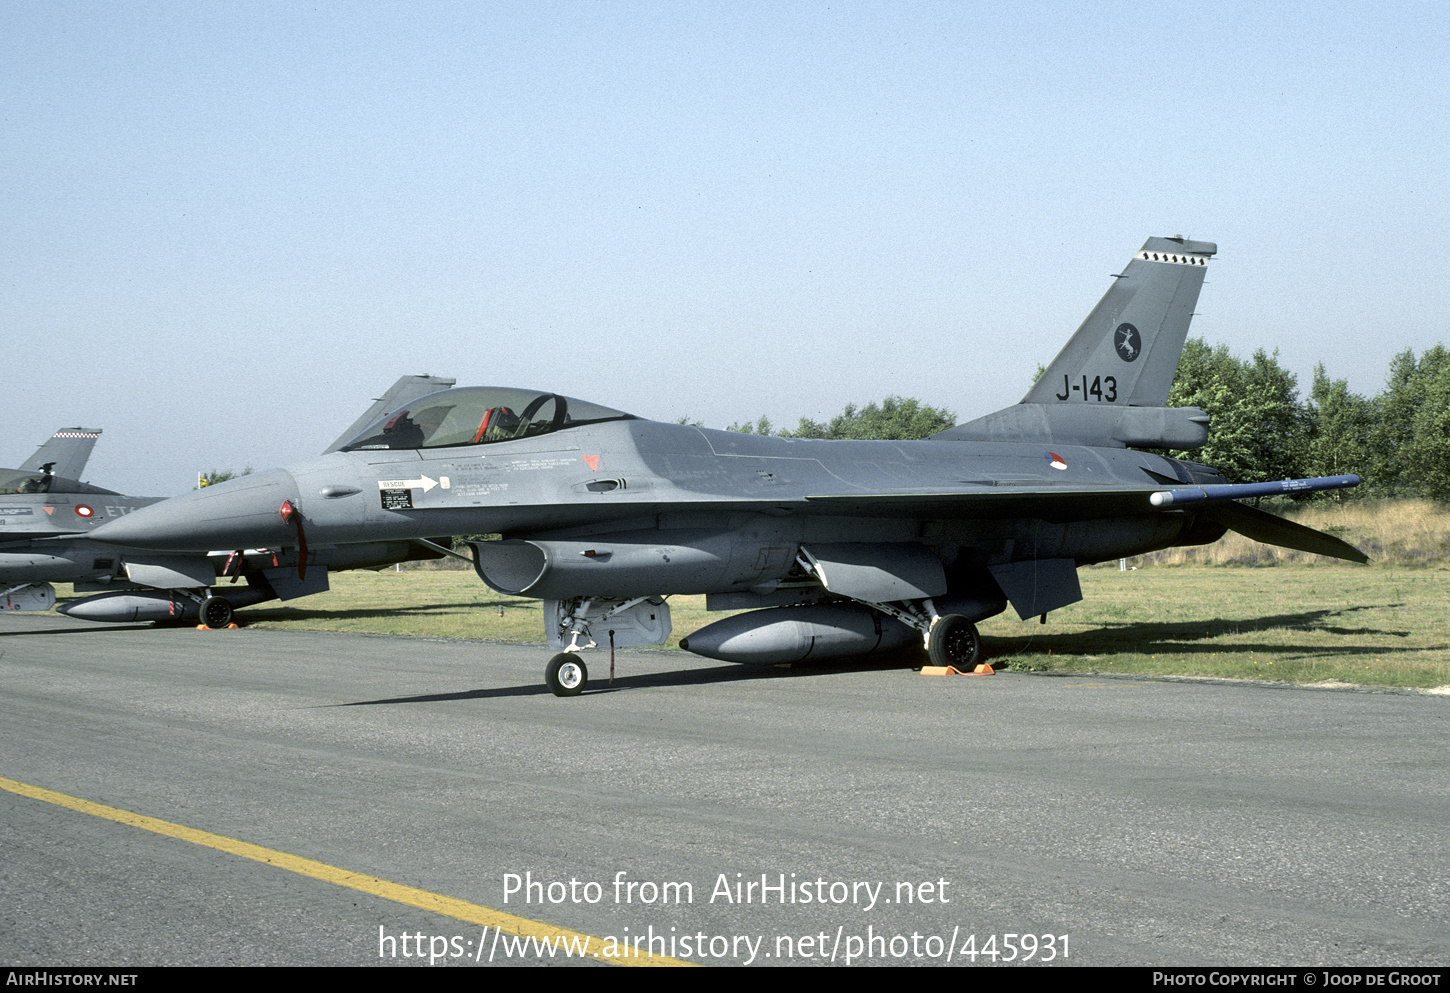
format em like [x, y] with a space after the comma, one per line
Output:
[47, 518]
[834, 548]
[45, 499]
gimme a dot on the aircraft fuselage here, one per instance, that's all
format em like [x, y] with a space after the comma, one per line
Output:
[641, 475]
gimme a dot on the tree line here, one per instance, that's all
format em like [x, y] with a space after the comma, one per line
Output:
[1397, 441]
[894, 419]
[1261, 429]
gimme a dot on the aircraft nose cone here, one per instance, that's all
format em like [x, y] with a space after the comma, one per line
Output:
[240, 513]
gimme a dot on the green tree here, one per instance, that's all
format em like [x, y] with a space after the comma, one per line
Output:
[1394, 423]
[1432, 435]
[1340, 426]
[1282, 421]
[215, 476]
[1407, 442]
[895, 419]
[1258, 426]
[1410, 443]
[761, 426]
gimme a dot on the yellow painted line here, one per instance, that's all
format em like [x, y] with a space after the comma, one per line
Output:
[448, 906]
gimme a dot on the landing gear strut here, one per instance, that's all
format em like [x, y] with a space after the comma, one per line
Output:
[949, 639]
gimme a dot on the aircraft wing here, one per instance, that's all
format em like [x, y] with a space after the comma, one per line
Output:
[1076, 503]
[1066, 504]
[991, 501]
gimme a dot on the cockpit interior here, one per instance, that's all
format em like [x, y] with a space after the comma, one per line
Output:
[479, 415]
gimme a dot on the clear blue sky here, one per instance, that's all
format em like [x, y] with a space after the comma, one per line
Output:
[228, 226]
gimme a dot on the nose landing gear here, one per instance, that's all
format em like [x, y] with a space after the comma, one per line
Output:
[566, 674]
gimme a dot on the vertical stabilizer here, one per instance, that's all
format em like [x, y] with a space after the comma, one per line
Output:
[1126, 352]
[67, 453]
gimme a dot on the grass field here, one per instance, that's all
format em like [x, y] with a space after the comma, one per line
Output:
[1319, 623]
[1407, 533]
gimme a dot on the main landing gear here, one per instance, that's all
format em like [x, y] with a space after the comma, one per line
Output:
[949, 639]
[953, 641]
[216, 612]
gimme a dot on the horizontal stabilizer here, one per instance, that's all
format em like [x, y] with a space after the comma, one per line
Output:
[1108, 426]
[1271, 530]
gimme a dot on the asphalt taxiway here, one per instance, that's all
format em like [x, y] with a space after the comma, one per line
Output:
[1114, 821]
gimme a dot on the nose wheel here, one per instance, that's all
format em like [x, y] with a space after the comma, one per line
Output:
[566, 674]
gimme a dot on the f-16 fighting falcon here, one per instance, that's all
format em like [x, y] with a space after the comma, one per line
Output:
[47, 518]
[834, 548]
[42, 505]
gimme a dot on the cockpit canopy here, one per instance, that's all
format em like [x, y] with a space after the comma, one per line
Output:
[31, 481]
[479, 415]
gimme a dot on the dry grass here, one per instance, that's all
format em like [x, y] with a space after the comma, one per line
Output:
[1401, 533]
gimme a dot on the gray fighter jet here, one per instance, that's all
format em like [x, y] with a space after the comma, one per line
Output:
[835, 548]
[44, 498]
[47, 518]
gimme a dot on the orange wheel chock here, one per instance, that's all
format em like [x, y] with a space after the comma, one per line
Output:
[950, 670]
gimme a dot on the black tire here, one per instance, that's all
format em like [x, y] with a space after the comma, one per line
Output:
[216, 612]
[566, 674]
[954, 642]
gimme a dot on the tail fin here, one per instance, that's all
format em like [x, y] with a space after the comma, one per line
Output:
[1108, 386]
[66, 453]
[1127, 350]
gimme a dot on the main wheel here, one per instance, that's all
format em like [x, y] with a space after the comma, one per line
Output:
[954, 642]
[216, 612]
[566, 674]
